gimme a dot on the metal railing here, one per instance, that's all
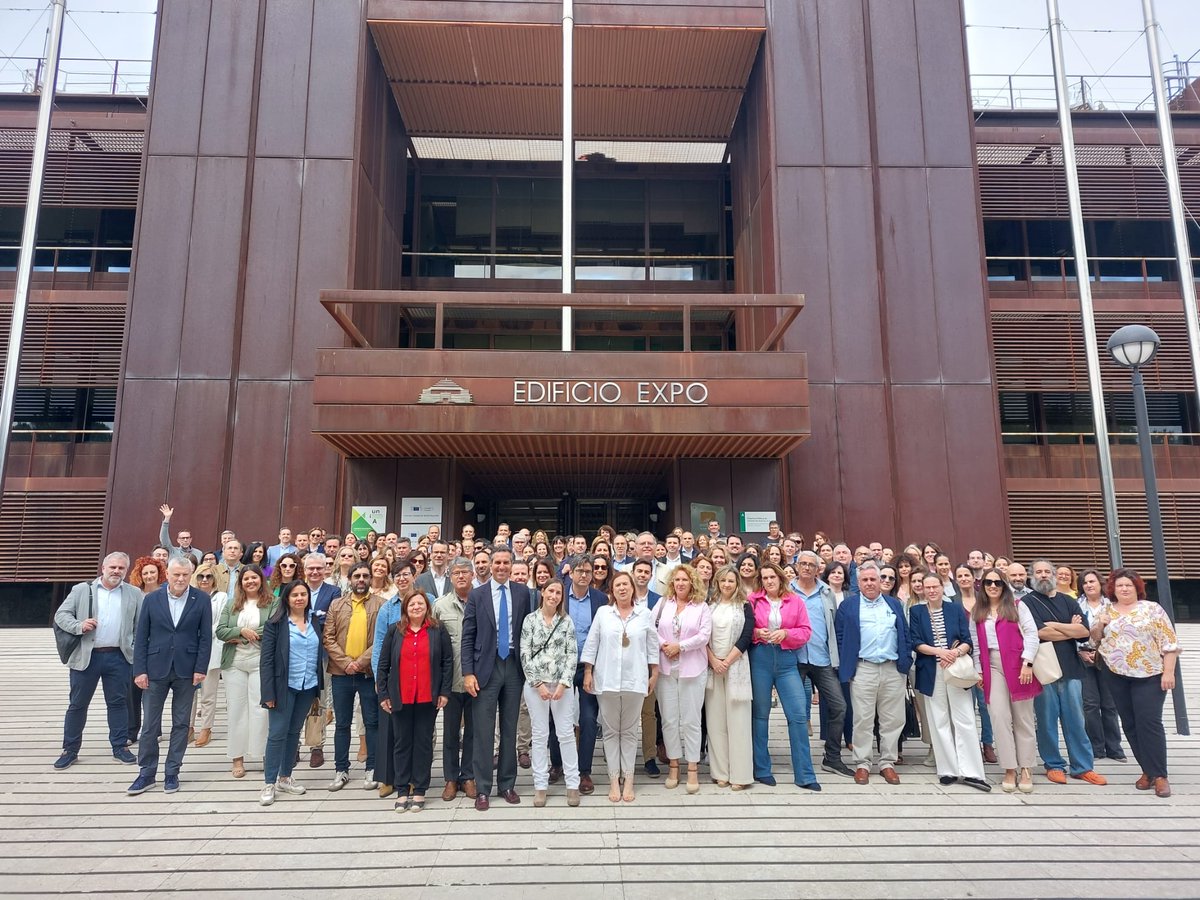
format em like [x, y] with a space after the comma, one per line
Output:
[500, 265]
[1142, 270]
[1087, 92]
[59, 452]
[77, 75]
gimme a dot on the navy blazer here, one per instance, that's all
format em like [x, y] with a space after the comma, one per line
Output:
[920, 628]
[162, 649]
[478, 650]
[276, 655]
[849, 634]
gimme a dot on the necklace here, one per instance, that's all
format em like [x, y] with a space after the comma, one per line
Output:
[625, 626]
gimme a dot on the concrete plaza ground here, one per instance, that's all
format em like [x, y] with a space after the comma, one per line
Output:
[76, 832]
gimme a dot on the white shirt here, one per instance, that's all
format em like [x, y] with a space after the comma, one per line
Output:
[616, 667]
[108, 614]
[496, 610]
[176, 604]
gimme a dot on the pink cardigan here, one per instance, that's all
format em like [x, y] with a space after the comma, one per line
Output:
[695, 629]
[794, 616]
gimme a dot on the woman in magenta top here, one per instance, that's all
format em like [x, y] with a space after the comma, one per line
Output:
[684, 623]
[1007, 643]
[781, 628]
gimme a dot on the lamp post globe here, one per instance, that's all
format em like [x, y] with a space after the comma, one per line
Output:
[1133, 346]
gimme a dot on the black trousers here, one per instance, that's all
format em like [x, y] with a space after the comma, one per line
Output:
[1139, 703]
[833, 706]
[412, 754]
[1100, 713]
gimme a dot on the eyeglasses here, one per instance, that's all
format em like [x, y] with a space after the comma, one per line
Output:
[887, 577]
[287, 565]
[993, 582]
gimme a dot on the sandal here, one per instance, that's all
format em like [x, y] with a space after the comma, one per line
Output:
[239, 769]
[418, 805]
[672, 776]
[693, 778]
[1025, 783]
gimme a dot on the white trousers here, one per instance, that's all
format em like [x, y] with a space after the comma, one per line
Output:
[877, 689]
[620, 717]
[952, 729]
[204, 706]
[730, 734]
[564, 724]
[680, 703]
[247, 718]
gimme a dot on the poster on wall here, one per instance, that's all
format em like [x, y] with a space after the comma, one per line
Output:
[703, 513]
[756, 522]
[368, 518]
[421, 511]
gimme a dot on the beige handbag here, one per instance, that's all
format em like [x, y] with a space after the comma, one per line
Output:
[1045, 665]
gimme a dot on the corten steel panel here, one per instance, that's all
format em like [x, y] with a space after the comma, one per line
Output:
[805, 261]
[926, 497]
[795, 61]
[704, 481]
[309, 467]
[853, 279]
[814, 476]
[962, 319]
[370, 482]
[255, 479]
[662, 57]
[865, 462]
[472, 54]
[333, 78]
[767, 235]
[896, 83]
[324, 224]
[757, 485]
[180, 59]
[283, 84]
[228, 76]
[266, 350]
[199, 441]
[140, 457]
[210, 304]
[910, 312]
[844, 83]
[945, 108]
[156, 304]
[973, 455]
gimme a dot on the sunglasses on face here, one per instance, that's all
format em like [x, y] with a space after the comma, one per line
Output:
[887, 577]
[204, 577]
[993, 582]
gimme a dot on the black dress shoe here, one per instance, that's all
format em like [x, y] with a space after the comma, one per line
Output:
[768, 780]
[511, 796]
[481, 802]
[978, 783]
[813, 786]
[946, 779]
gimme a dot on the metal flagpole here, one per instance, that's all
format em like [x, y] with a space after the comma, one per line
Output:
[568, 170]
[1166, 139]
[12, 363]
[1082, 277]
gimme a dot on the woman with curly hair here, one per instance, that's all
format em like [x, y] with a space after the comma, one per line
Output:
[287, 568]
[147, 573]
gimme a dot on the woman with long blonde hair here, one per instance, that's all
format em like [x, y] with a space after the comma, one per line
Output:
[727, 698]
[683, 621]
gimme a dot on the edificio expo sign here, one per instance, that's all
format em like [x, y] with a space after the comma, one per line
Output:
[650, 393]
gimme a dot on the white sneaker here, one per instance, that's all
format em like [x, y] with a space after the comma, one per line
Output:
[288, 786]
[369, 782]
[340, 780]
[268, 795]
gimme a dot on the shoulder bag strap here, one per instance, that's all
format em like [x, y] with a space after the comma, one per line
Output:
[549, 637]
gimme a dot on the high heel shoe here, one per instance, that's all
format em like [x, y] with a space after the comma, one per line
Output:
[693, 780]
[672, 776]
[1025, 782]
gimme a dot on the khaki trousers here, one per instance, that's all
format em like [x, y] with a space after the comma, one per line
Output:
[649, 729]
[877, 689]
[1012, 722]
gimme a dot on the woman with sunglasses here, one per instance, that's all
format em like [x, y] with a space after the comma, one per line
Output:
[601, 574]
[287, 568]
[204, 706]
[1005, 646]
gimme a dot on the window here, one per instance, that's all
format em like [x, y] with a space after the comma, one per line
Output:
[1057, 417]
[81, 415]
[456, 226]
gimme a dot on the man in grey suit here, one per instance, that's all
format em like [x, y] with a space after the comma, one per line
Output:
[435, 581]
[104, 612]
[170, 655]
[492, 674]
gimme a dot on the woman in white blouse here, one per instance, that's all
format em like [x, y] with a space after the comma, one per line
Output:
[620, 666]
[204, 706]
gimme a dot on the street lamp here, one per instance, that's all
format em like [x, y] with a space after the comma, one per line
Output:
[1134, 346]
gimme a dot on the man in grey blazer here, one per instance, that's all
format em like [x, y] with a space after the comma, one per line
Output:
[104, 612]
[435, 581]
[170, 655]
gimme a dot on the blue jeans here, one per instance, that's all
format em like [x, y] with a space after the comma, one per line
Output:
[1063, 702]
[985, 719]
[111, 669]
[345, 687]
[284, 722]
[770, 667]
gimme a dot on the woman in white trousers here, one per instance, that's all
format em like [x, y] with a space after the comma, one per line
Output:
[241, 630]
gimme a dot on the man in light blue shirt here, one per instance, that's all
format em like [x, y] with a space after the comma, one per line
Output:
[818, 660]
[583, 602]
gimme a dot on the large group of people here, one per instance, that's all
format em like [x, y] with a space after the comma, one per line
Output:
[533, 648]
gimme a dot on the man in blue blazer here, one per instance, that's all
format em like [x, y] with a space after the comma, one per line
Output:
[875, 654]
[492, 674]
[170, 655]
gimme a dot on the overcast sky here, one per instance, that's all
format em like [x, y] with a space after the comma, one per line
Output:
[1004, 36]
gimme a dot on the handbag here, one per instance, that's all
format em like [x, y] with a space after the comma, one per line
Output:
[961, 673]
[737, 681]
[314, 726]
[912, 725]
[1045, 665]
[68, 643]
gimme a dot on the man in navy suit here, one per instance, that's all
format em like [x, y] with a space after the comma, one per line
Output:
[170, 654]
[492, 674]
[875, 654]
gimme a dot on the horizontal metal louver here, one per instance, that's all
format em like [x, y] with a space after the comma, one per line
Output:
[83, 168]
[68, 344]
[1068, 527]
[31, 527]
[1045, 352]
[1115, 181]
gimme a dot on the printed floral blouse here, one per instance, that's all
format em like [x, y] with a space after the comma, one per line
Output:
[1134, 642]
